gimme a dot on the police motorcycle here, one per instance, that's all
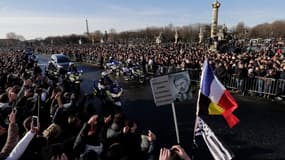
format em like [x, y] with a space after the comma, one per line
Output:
[134, 73]
[113, 66]
[137, 74]
[31, 57]
[51, 72]
[74, 78]
[115, 93]
[100, 86]
[109, 93]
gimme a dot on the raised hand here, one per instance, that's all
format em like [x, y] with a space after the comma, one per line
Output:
[12, 117]
[151, 136]
[180, 152]
[164, 154]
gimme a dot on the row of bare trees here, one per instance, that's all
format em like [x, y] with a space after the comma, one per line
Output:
[190, 33]
[185, 34]
[275, 29]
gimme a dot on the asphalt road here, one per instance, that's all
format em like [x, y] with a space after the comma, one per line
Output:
[260, 134]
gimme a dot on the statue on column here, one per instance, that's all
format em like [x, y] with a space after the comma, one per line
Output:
[201, 35]
[158, 39]
[93, 41]
[214, 25]
[222, 33]
[225, 28]
[176, 36]
[105, 36]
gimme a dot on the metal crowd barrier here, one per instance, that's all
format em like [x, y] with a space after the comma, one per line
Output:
[161, 70]
[262, 86]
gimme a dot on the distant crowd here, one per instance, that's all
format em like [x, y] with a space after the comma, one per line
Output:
[267, 62]
[242, 63]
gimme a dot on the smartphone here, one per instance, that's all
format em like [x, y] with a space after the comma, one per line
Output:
[15, 110]
[35, 121]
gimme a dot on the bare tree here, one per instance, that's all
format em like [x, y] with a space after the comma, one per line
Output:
[277, 29]
[97, 35]
[261, 31]
[20, 37]
[240, 28]
[12, 35]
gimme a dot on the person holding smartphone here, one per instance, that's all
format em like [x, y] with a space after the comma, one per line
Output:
[35, 122]
[13, 136]
[22, 145]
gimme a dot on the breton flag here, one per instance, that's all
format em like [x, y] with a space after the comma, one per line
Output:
[216, 148]
[215, 98]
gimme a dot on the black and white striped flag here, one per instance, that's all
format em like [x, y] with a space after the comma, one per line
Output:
[216, 148]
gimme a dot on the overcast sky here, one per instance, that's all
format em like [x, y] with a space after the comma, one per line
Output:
[42, 18]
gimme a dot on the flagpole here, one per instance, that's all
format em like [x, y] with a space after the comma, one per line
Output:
[197, 113]
[38, 120]
[175, 123]
[197, 105]
[198, 102]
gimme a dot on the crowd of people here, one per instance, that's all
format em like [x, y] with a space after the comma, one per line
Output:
[248, 63]
[268, 62]
[41, 119]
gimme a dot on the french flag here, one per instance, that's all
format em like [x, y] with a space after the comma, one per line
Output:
[215, 97]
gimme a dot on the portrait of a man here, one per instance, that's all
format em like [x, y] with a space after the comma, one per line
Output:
[180, 86]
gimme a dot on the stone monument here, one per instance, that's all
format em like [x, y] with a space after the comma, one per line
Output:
[158, 38]
[222, 33]
[214, 25]
[176, 36]
[201, 35]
